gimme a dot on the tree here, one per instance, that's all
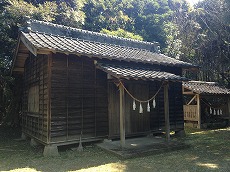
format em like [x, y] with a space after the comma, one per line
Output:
[214, 48]
[122, 33]
[148, 17]
[200, 35]
[106, 14]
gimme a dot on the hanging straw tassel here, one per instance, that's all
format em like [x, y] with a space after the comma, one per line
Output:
[221, 112]
[154, 103]
[218, 112]
[148, 107]
[214, 112]
[141, 109]
[210, 110]
[134, 105]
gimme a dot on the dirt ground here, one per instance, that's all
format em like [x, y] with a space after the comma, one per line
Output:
[209, 151]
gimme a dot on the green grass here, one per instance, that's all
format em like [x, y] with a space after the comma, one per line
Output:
[209, 151]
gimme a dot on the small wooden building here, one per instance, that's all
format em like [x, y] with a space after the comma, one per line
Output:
[72, 79]
[206, 104]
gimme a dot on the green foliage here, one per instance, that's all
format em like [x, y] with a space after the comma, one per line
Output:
[70, 16]
[8, 103]
[213, 50]
[5, 97]
[108, 14]
[200, 35]
[174, 44]
[122, 33]
[47, 11]
[148, 18]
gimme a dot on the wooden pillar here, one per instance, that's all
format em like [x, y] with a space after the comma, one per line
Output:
[198, 110]
[166, 108]
[49, 98]
[122, 116]
[229, 110]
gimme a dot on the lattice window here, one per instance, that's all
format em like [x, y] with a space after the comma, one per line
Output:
[33, 99]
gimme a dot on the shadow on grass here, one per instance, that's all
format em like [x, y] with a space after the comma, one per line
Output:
[209, 151]
[20, 156]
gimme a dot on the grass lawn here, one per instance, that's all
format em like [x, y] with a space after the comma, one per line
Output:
[209, 151]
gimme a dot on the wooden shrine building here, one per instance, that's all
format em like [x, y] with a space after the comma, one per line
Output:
[206, 104]
[76, 84]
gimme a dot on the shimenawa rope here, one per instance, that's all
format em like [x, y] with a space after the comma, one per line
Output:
[141, 101]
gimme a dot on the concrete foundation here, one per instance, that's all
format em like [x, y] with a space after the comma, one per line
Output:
[50, 151]
[80, 147]
[136, 147]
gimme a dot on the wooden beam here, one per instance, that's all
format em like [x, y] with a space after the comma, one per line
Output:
[198, 110]
[29, 45]
[18, 69]
[122, 116]
[166, 108]
[44, 51]
[188, 93]
[184, 91]
[191, 100]
[22, 55]
[22, 46]
[15, 55]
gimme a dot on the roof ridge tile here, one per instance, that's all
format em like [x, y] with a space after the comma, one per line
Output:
[151, 46]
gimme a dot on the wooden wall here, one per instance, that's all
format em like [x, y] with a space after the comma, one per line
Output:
[134, 122]
[82, 100]
[176, 106]
[77, 93]
[35, 98]
[153, 121]
[217, 102]
[78, 99]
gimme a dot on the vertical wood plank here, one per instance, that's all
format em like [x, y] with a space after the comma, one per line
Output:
[228, 107]
[82, 98]
[95, 94]
[43, 94]
[166, 109]
[198, 110]
[49, 98]
[122, 116]
[67, 98]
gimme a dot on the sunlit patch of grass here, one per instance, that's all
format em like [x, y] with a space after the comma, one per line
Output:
[208, 165]
[204, 131]
[223, 129]
[110, 167]
[200, 132]
[208, 151]
[23, 170]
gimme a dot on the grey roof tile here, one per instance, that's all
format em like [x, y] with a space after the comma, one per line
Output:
[202, 87]
[132, 72]
[60, 30]
[101, 50]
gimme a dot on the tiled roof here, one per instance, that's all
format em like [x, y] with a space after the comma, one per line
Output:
[64, 31]
[201, 87]
[58, 38]
[131, 72]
